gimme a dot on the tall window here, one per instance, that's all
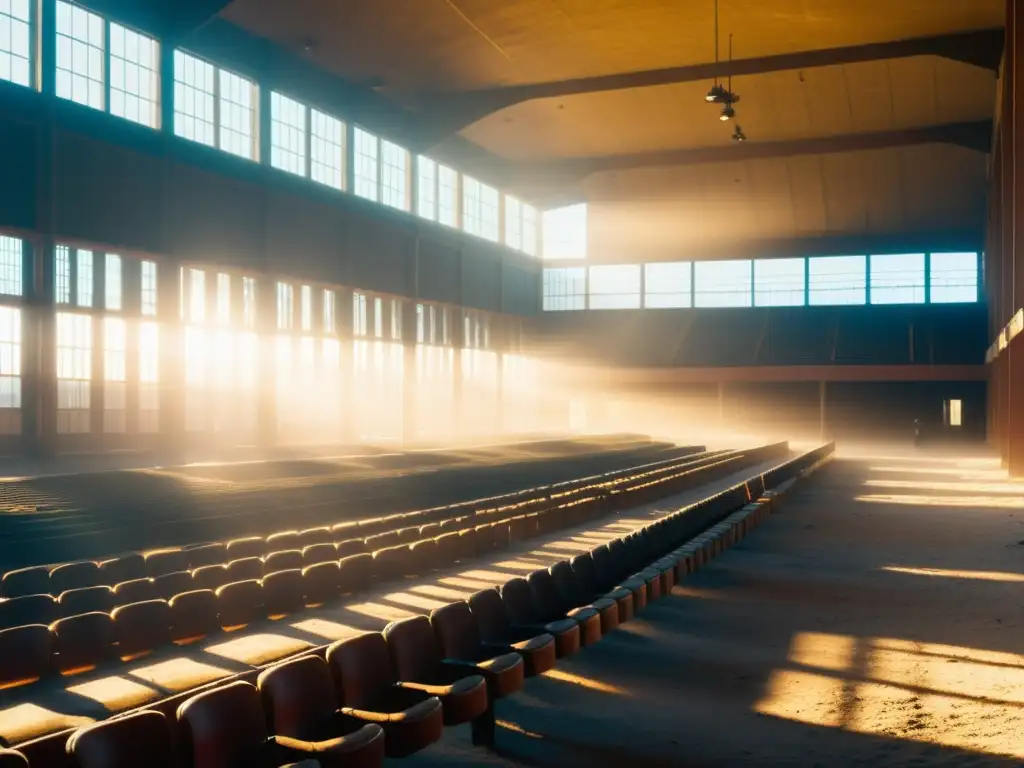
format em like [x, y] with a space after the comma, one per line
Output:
[395, 166]
[366, 156]
[306, 308]
[134, 76]
[447, 196]
[897, 279]
[15, 45]
[565, 289]
[327, 150]
[74, 372]
[194, 99]
[148, 288]
[11, 266]
[833, 280]
[668, 284]
[378, 317]
[112, 287]
[287, 134]
[513, 223]
[237, 100]
[614, 287]
[426, 188]
[722, 283]
[529, 230]
[249, 302]
[359, 325]
[489, 202]
[471, 221]
[565, 232]
[80, 55]
[115, 405]
[779, 282]
[396, 320]
[223, 308]
[285, 307]
[196, 296]
[953, 277]
[330, 312]
[10, 365]
[85, 278]
[149, 377]
[62, 274]
[421, 326]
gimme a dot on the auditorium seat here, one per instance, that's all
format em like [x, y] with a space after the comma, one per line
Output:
[495, 631]
[249, 546]
[206, 554]
[124, 568]
[430, 530]
[642, 591]
[382, 540]
[240, 603]
[448, 548]
[610, 571]
[311, 536]
[134, 591]
[346, 530]
[551, 608]
[322, 583]
[299, 699]
[82, 642]
[283, 593]
[138, 739]
[319, 553]
[25, 655]
[459, 639]
[281, 560]
[161, 561]
[11, 758]
[525, 617]
[367, 688]
[571, 593]
[423, 556]
[278, 542]
[171, 584]
[593, 586]
[29, 609]
[210, 576]
[26, 581]
[356, 571]
[226, 727]
[351, 547]
[417, 661]
[247, 569]
[85, 600]
[193, 616]
[140, 628]
[84, 573]
[408, 535]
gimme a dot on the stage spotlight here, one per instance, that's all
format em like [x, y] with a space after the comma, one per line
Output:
[717, 95]
[738, 135]
[728, 113]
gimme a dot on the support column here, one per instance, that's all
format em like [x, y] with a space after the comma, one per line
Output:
[39, 355]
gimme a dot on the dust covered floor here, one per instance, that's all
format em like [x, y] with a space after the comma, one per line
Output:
[875, 621]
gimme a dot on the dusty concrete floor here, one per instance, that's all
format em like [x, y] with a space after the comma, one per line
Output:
[876, 621]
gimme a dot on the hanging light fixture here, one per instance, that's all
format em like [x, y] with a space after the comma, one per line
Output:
[727, 113]
[738, 135]
[717, 92]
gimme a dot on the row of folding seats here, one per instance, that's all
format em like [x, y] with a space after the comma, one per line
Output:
[55, 580]
[492, 640]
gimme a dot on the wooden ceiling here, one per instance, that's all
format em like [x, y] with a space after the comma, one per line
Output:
[425, 53]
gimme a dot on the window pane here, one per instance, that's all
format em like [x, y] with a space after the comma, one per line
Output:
[489, 213]
[193, 99]
[897, 279]
[529, 230]
[565, 232]
[330, 313]
[615, 287]
[223, 316]
[62, 274]
[237, 101]
[835, 280]
[10, 361]
[285, 306]
[85, 278]
[112, 282]
[134, 76]
[80, 55]
[565, 289]
[11, 250]
[954, 277]
[287, 134]
[15, 42]
[359, 325]
[367, 170]
[513, 223]
[149, 288]
[426, 203]
[668, 285]
[249, 302]
[395, 169]
[327, 150]
[306, 308]
[722, 283]
[447, 195]
[779, 282]
[471, 212]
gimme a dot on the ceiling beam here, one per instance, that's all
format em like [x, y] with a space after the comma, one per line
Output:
[444, 113]
[570, 172]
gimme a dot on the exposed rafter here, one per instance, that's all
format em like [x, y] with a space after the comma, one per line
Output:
[444, 113]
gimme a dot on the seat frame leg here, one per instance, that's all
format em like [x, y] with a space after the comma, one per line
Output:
[483, 727]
